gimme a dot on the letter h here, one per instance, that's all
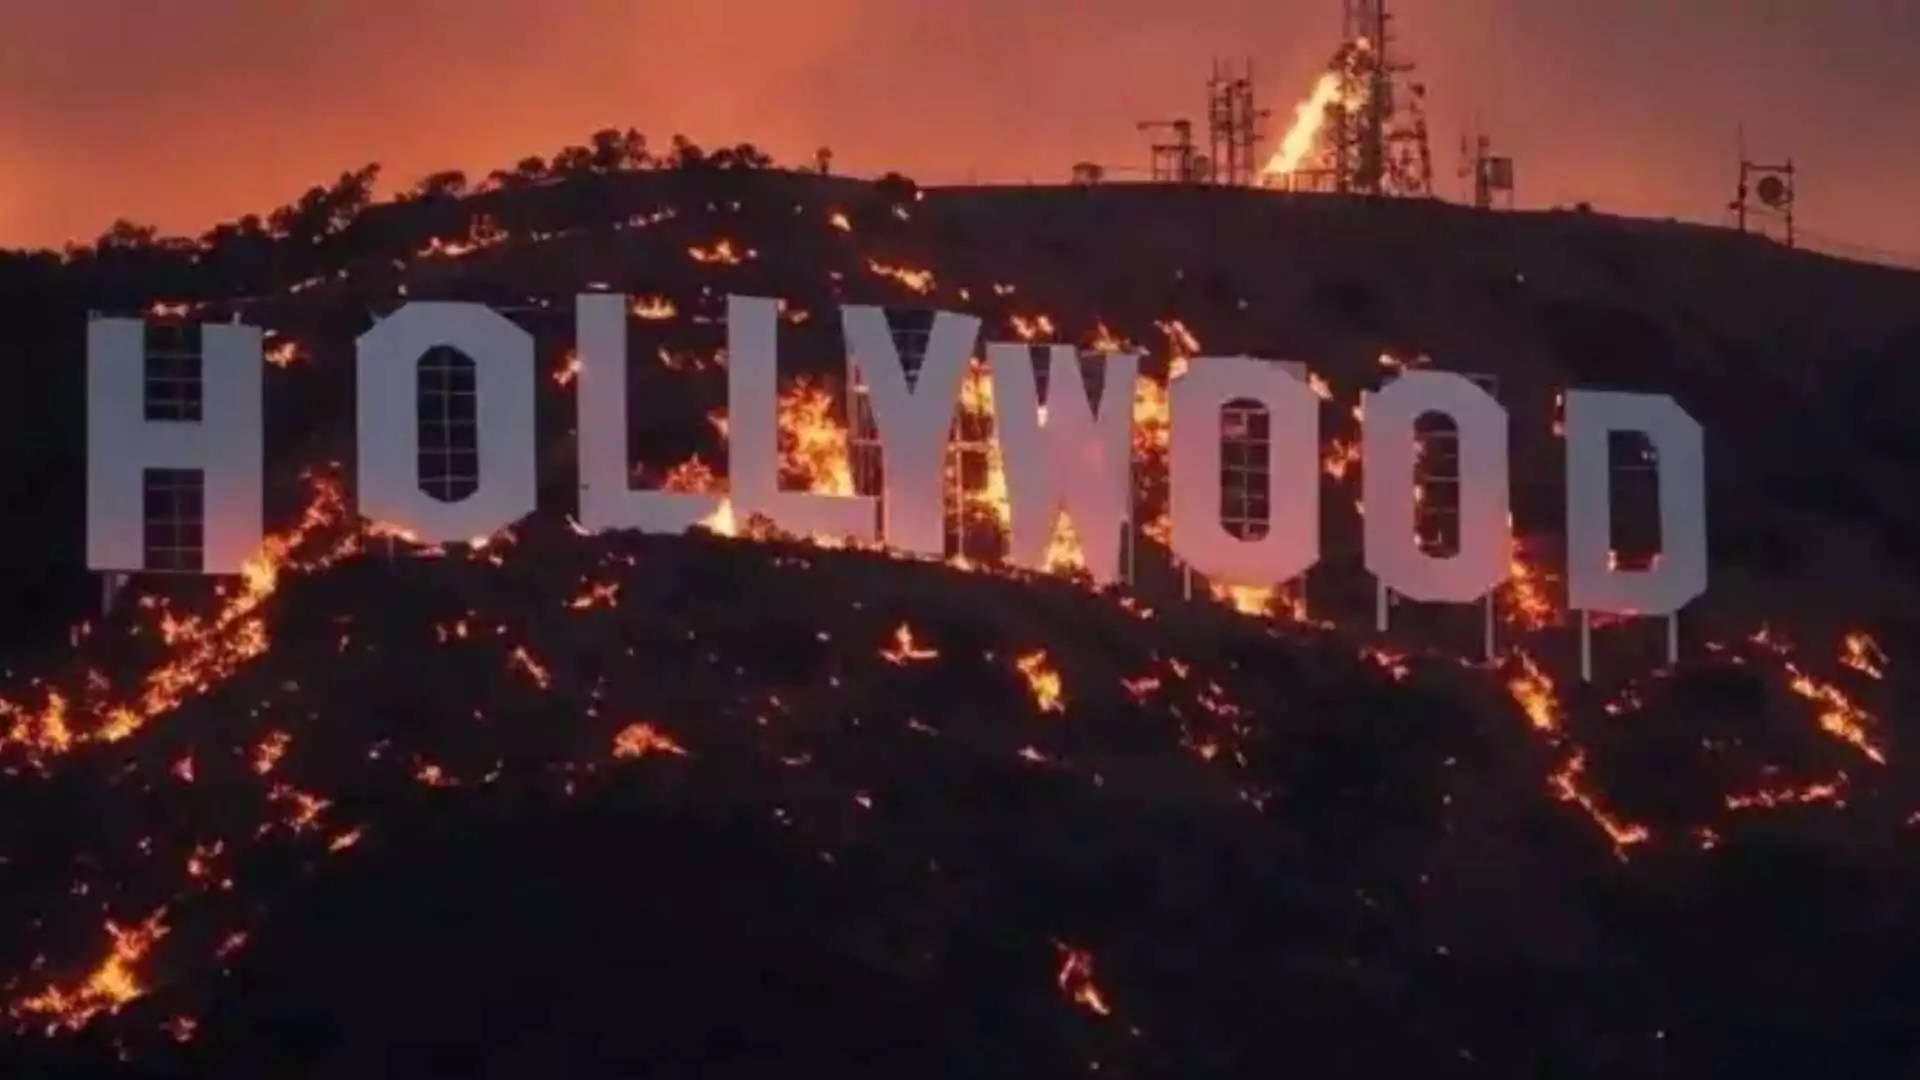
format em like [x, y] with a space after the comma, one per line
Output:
[156, 427]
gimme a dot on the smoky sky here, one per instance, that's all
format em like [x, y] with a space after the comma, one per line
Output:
[187, 112]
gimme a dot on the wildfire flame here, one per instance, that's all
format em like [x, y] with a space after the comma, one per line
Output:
[1299, 143]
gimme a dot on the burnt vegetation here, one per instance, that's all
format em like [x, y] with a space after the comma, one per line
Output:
[737, 806]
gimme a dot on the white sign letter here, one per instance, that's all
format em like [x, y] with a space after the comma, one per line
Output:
[223, 445]
[1681, 575]
[1079, 459]
[912, 422]
[388, 364]
[1389, 452]
[607, 499]
[1292, 543]
[753, 435]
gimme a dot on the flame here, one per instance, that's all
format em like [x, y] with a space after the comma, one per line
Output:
[653, 308]
[720, 253]
[1309, 118]
[1393, 663]
[1566, 784]
[1863, 654]
[285, 354]
[721, 522]
[1341, 457]
[1840, 716]
[813, 442]
[639, 740]
[482, 233]
[1064, 555]
[524, 663]
[1534, 690]
[1524, 602]
[1309, 128]
[1037, 328]
[919, 281]
[112, 984]
[904, 650]
[1075, 979]
[1043, 682]
[1831, 792]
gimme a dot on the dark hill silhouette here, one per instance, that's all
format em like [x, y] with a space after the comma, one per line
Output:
[693, 807]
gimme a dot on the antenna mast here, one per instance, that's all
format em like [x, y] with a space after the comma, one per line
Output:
[1378, 126]
[1233, 125]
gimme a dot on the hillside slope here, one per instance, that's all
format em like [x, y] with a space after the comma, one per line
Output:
[692, 801]
[770, 804]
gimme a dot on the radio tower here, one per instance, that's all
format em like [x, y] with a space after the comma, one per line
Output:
[1378, 126]
[1233, 125]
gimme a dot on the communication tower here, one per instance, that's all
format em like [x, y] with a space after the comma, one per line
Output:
[1773, 188]
[1381, 135]
[1372, 134]
[1233, 125]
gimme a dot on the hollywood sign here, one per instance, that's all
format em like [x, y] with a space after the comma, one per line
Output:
[1075, 455]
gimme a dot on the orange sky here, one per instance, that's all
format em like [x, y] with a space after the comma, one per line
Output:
[186, 112]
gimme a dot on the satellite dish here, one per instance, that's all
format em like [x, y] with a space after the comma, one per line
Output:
[1773, 192]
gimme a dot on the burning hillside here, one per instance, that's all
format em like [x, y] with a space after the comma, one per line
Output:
[736, 801]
